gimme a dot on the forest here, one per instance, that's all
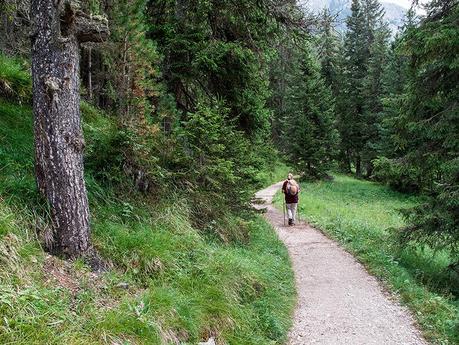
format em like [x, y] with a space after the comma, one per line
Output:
[134, 135]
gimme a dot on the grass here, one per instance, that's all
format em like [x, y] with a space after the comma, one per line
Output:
[169, 282]
[15, 81]
[277, 172]
[364, 217]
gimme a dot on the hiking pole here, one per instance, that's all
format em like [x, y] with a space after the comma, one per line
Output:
[298, 213]
[283, 210]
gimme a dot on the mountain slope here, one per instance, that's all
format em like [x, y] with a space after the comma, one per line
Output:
[394, 13]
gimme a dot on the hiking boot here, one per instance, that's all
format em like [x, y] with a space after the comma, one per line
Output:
[290, 222]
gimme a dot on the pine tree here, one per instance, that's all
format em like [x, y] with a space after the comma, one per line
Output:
[329, 41]
[364, 54]
[373, 93]
[350, 119]
[429, 125]
[309, 137]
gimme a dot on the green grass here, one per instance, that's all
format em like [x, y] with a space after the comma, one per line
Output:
[182, 285]
[364, 217]
[15, 81]
[274, 174]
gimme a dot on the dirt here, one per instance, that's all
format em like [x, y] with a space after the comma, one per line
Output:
[338, 301]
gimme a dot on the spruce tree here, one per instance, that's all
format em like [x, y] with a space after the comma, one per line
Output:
[350, 119]
[309, 137]
[364, 55]
[373, 93]
[429, 125]
[328, 42]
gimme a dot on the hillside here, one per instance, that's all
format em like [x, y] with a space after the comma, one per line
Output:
[394, 14]
[167, 281]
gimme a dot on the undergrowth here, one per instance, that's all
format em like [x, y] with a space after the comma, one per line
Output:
[365, 217]
[15, 81]
[169, 283]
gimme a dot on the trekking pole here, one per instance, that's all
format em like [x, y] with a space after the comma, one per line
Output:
[283, 210]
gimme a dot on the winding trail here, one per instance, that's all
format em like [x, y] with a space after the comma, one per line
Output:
[338, 301]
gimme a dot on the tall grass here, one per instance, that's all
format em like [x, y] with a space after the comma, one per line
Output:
[364, 217]
[15, 81]
[169, 283]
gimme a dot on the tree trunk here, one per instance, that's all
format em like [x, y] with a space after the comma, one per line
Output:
[348, 166]
[90, 94]
[358, 166]
[59, 143]
[370, 169]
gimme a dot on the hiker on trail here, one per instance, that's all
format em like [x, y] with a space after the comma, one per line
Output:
[291, 189]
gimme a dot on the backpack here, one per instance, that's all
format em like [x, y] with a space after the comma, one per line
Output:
[291, 188]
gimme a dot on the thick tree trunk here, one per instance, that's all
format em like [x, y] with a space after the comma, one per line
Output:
[59, 139]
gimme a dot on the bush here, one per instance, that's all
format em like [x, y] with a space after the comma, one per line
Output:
[222, 164]
[394, 173]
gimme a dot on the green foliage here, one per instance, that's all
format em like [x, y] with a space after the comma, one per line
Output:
[104, 142]
[220, 163]
[275, 171]
[329, 45]
[364, 217]
[308, 135]
[397, 175]
[425, 130]
[16, 151]
[15, 81]
[359, 99]
[216, 50]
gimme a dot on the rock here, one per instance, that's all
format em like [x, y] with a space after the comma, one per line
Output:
[211, 341]
[123, 285]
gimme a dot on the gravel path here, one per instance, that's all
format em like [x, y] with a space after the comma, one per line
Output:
[338, 301]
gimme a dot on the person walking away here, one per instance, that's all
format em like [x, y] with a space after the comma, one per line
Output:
[291, 189]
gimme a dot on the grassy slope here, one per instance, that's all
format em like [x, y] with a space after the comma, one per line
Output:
[363, 217]
[182, 286]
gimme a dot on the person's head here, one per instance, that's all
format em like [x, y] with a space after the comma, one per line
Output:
[290, 176]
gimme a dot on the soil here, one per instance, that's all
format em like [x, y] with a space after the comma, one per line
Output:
[338, 301]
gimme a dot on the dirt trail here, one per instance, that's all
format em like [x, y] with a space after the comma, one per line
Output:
[338, 301]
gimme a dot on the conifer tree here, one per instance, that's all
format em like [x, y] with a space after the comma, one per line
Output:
[364, 51]
[350, 119]
[329, 50]
[58, 29]
[429, 125]
[309, 137]
[373, 93]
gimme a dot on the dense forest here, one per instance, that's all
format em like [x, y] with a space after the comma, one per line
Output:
[171, 114]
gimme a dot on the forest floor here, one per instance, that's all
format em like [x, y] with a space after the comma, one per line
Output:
[338, 302]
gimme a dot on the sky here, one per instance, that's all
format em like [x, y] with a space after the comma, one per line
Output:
[403, 3]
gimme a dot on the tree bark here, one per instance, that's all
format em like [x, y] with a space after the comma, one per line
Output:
[358, 166]
[90, 94]
[59, 27]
